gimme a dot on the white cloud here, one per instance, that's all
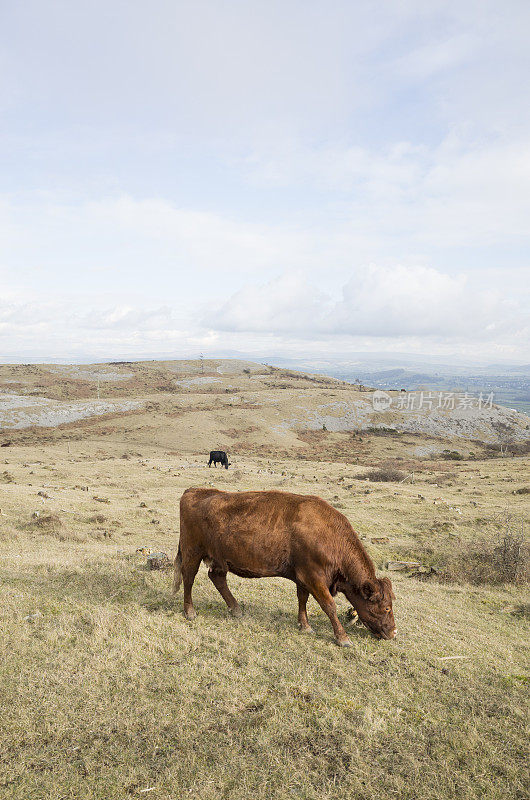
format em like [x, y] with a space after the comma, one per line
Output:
[404, 309]
[122, 245]
[211, 147]
[430, 59]
[377, 302]
[62, 328]
[461, 192]
[288, 304]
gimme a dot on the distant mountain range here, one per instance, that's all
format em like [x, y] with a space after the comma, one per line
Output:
[378, 363]
[510, 384]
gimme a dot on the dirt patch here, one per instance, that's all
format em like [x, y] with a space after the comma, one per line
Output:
[236, 433]
[330, 446]
[46, 522]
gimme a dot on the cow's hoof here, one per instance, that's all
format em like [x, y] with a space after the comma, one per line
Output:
[236, 612]
[344, 643]
[190, 614]
[305, 629]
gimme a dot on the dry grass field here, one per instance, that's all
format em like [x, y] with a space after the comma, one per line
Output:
[108, 692]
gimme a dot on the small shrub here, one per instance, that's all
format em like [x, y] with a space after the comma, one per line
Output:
[451, 455]
[384, 475]
[505, 559]
[512, 448]
[522, 490]
[382, 431]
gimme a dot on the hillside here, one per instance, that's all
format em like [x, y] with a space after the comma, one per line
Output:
[108, 692]
[237, 405]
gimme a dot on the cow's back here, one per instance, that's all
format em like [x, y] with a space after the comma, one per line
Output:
[259, 533]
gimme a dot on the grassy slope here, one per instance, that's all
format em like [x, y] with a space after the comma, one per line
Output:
[110, 691]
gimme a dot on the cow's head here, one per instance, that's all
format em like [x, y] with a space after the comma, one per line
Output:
[373, 603]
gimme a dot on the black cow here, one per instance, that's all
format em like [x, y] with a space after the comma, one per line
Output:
[218, 456]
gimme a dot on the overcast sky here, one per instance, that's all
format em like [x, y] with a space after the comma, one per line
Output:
[278, 178]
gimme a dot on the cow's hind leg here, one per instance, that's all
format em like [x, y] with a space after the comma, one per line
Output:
[190, 567]
[303, 622]
[323, 597]
[218, 578]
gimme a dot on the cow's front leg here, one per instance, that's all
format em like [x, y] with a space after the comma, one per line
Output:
[346, 590]
[303, 622]
[323, 597]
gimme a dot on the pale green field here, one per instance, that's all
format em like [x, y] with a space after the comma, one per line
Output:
[110, 693]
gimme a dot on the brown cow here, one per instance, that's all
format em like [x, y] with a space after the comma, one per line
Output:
[294, 536]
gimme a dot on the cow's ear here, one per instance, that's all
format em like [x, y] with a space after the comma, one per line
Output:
[387, 587]
[371, 591]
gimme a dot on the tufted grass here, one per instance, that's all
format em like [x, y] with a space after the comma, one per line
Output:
[109, 693]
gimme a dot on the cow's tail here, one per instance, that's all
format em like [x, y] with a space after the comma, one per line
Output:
[177, 576]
